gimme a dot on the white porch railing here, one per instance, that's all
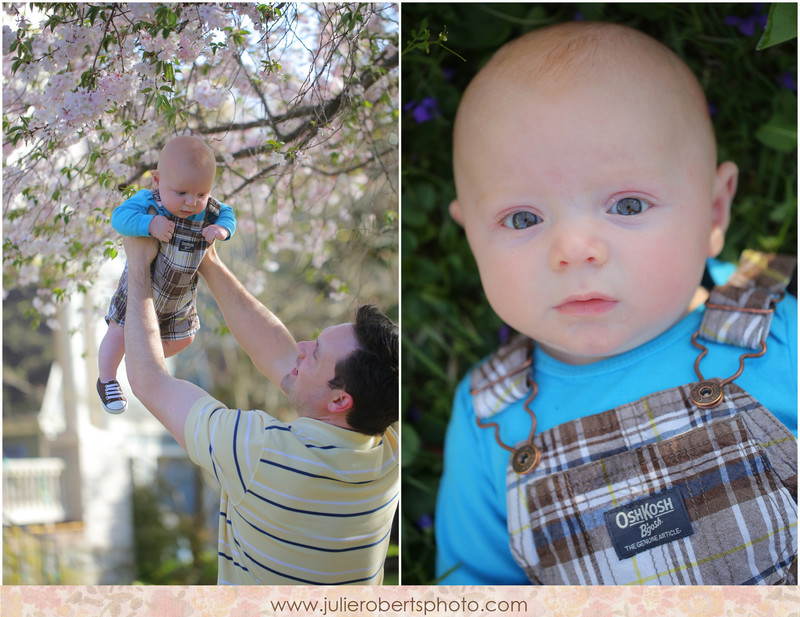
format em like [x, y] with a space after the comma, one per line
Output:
[32, 491]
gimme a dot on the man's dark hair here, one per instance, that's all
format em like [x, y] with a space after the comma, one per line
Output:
[370, 373]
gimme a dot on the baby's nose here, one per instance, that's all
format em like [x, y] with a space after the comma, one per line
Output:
[578, 247]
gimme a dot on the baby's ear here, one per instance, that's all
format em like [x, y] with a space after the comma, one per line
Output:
[724, 189]
[455, 212]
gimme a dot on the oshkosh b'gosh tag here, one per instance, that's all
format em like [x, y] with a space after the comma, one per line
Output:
[186, 246]
[648, 523]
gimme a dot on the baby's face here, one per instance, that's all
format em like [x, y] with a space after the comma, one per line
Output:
[184, 189]
[590, 212]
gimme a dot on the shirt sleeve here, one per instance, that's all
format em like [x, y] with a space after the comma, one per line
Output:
[782, 355]
[130, 218]
[470, 522]
[228, 443]
[227, 219]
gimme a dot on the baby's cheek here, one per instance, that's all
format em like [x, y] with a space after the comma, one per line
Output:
[507, 288]
[668, 281]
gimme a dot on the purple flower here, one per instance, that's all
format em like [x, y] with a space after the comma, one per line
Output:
[414, 414]
[424, 522]
[504, 334]
[747, 25]
[448, 73]
[712, 110]
[425, 110]
[789, 81]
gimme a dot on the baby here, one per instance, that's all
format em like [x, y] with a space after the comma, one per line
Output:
[182, 215]
[590, 450]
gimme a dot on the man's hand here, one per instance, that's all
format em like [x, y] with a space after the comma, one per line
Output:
[214, 232]
[139, 249]
[161, 228]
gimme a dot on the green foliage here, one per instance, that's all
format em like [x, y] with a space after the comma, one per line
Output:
[447, 323]
[154, 542]
[31, 557]
[27, 355]
[157, 546]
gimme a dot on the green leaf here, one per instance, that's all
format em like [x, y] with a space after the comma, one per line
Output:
[779, 134]
[781, 24]
[410, 444]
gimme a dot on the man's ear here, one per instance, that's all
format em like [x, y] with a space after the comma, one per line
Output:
[340, 402]
[725, 181]
[455, 212]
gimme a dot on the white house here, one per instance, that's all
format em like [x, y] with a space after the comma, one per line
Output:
[75, 498]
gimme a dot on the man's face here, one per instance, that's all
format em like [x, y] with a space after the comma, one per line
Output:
[589, 215]
[307, 384]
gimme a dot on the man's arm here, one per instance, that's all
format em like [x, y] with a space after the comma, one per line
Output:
[167, 398]
[261, 334]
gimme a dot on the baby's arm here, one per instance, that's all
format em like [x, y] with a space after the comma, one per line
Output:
[130, 218]
[226, 219]
[223, 227]
[470, 523]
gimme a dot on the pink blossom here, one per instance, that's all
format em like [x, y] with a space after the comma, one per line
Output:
[212, 16]
[276, 158]
[303, 158]
[209, 95]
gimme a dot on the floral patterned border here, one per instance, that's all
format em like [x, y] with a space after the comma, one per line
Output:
[18, 601]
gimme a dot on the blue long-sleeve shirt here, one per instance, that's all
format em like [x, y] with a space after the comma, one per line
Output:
[131, 217]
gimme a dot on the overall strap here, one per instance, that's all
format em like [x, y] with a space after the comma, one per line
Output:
[501, 379]
[740, 312]
[212, 211]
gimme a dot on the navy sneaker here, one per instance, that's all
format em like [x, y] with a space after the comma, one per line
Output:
[111, 395]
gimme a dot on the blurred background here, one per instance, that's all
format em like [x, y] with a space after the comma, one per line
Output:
[750, 80]
[300, 104]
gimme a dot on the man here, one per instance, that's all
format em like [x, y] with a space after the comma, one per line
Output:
[306, 502]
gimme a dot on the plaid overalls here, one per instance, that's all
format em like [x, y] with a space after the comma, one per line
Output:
[675, 488]
[174, 276]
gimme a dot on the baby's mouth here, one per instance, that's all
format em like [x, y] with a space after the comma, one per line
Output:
[586, 305]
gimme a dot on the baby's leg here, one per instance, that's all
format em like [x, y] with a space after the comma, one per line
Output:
[110, 353]
[173, 347]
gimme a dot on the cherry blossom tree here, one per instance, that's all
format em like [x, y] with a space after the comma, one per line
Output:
[299, 101]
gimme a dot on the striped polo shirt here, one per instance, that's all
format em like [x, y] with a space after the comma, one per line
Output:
[303, 502]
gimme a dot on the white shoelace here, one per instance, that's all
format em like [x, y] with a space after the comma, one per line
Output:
[113, 390]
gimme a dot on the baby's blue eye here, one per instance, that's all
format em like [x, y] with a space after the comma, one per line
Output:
[521, 220]
[628, 206]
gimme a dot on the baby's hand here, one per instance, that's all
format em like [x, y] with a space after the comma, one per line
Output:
[212, 232]
[161, 227]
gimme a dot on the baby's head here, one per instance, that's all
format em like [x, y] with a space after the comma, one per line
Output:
[588, 187]
[185, 175]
